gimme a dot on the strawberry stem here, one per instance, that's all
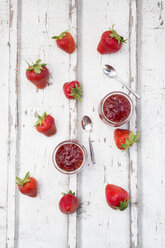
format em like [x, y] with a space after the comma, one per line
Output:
[115, 35]
[21, 182]
[123, 204]
[60, 36]
[69, 192]
[40, 119]
[131, 140]
[37, 67]
[77, 92]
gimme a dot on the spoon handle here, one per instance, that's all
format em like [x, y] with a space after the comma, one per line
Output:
[91, 150]
[132, 91]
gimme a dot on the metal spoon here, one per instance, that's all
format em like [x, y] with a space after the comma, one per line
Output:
[87, 126]
[111, 72]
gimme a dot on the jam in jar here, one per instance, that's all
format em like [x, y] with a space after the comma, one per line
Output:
[116, 108]
[69, 157]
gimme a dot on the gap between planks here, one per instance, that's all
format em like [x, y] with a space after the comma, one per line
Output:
[73, 119]
[133, 125]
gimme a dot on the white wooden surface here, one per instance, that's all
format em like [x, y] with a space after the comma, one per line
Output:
[26, 28]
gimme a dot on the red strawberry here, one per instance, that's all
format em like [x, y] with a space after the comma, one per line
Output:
[65, 41]
[38, 74]
[28, 185]
[73, 90]
[125, 138]
[46, 125]
[116, 197]
[110, 42]
[68, 203]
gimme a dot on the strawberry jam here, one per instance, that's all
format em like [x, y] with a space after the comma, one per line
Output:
[69, 156]
[116, 108]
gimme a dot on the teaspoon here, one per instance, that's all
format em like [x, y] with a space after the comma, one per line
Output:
[87, 126]
[111, 72]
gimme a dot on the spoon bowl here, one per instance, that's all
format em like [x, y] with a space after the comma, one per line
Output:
[87, 126]
[110, 71]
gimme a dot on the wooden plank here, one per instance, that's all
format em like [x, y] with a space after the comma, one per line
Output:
[98, 222]
[27, 222]
[73, 108]
[43, 225]
[133, 125]
[4, 49]
[12, 124]
[152, 119]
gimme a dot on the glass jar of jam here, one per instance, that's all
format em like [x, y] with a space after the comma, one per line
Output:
[69, 157]
[116, 108]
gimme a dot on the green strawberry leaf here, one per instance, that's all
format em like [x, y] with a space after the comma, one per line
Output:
[123, 205]
[21, 182]
[123, 40]
[37, 67]
[127, 142]
[38, 61]
[131, 137]
[123, 146]
[130, 141]
[136, 137]
[63, 34]
[77, 92]
[27, 63]
[69, 192]
[55, 37]
[27, 175]
[18, 179]
[115, 35]
[37, 70]
[40, 119]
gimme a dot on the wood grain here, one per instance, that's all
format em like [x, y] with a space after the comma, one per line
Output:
[152, 118]
[133, 125]
[26, 28]
[12, 123]
[95, 217]
[45, 225]
[4, 142]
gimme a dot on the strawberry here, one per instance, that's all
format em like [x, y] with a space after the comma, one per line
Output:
[28, 185]
[68, 203]
[116, 197]
[38, 74]
[65, 41]
[125, 138]
[46, 125]
[110, 42]
[73, 90]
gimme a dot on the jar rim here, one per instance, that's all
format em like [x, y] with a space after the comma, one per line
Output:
[69, 141]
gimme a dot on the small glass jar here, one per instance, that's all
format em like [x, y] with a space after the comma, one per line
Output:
[115, 105]
[62, 153]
